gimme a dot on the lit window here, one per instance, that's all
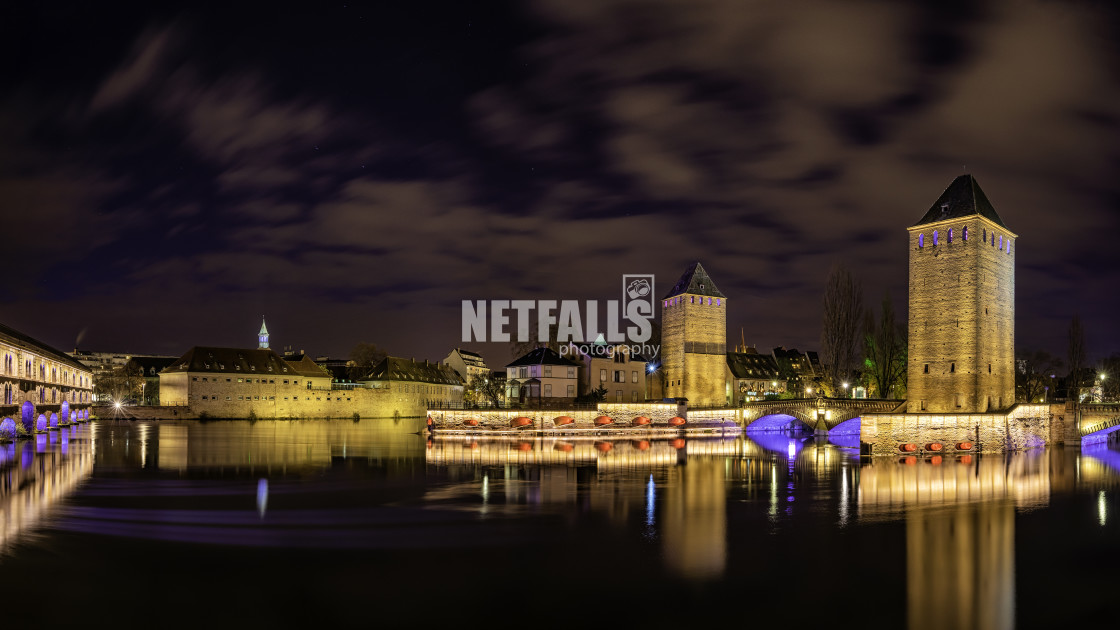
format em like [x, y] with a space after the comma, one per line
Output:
[964, 233]
[921, 240]
[1008, 246]
[935, 238]
[1001, 242]
[709, 301]
[717, 302]
[949, 236]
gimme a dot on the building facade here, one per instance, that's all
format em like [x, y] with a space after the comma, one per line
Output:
[753, 376]
[694, 340]
[962, 306]
[36, 379]
[613, 368]
[241, 382]
[468, 364]
[542, 376]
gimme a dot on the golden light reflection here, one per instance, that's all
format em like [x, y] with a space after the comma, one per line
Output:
[37, 475]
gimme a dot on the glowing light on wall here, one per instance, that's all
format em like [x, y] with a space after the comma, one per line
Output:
[1102, 508]
[41, 423]
[262, 496]
[8, 429]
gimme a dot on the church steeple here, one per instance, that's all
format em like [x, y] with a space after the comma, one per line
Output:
[262, 336]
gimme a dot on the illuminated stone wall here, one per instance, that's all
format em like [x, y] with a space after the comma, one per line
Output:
[962, 317]
[699, 376]
[222, 396]
[1023, 427]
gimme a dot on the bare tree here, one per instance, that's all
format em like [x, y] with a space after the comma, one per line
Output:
[1076, 356]
[840, 326]
[485, 389]
[884, 348]
[364, 357]
[1034, 374]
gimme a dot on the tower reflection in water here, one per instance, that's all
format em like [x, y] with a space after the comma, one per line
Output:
[693, 499]
[960, 532]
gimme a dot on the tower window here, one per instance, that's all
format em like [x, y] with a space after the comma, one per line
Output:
[717, 302]
[952, 368]
[994, 238]
[984, 235]
[925, 369]
[709, 301]
[950, 235]
[921, 240]
[692, 299]
[935, 238]
[1008, 246]
[1001, 242]
[964, 233]
[989, 368]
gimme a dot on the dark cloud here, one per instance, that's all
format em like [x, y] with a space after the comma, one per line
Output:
[355, 179]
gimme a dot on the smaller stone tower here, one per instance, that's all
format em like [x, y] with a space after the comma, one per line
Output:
[262, 336]
[694, 340]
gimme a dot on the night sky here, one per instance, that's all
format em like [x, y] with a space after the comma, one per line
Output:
[169, 174]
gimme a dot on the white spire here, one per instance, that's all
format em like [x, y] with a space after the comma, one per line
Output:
[262, 336]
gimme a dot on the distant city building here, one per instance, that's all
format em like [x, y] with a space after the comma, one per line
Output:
[36, 379]
[468, 364]
[613, 368]
[753, 376]
[962, 306]
[438, 385]
[801, 370]
[694, 340]
[147, 370]
[542, 376]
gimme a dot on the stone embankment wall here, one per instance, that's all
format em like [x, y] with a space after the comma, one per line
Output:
[1023, 427]
[291, 403]
[658, 413]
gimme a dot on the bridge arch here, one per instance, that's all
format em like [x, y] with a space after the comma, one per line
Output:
[787, 420]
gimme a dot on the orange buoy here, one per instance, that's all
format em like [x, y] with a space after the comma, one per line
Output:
[966, 459]
[429, 421]
[677, 421]
[910, 461]
[604, 446]
[964, 446]
[524, 446]
[933, 446]
[563, 447]
[908, 448]
[520, 421]
[472, 445]
[562, 420]
[639, 421]
[935, 460]
[603, 420]
[677, 443]
[471, 422]
[641, 445]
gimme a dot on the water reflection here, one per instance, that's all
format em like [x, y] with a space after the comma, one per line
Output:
[960, 531]
[718, 512]
[33, 481]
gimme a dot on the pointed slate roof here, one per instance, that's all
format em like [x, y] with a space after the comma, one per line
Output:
[962, 198]
[695, 281]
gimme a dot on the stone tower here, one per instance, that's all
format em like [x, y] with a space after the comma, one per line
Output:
[962, 306]
[694, 340]
[262, 336]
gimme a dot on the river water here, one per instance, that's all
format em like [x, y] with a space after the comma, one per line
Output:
[301, 523]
